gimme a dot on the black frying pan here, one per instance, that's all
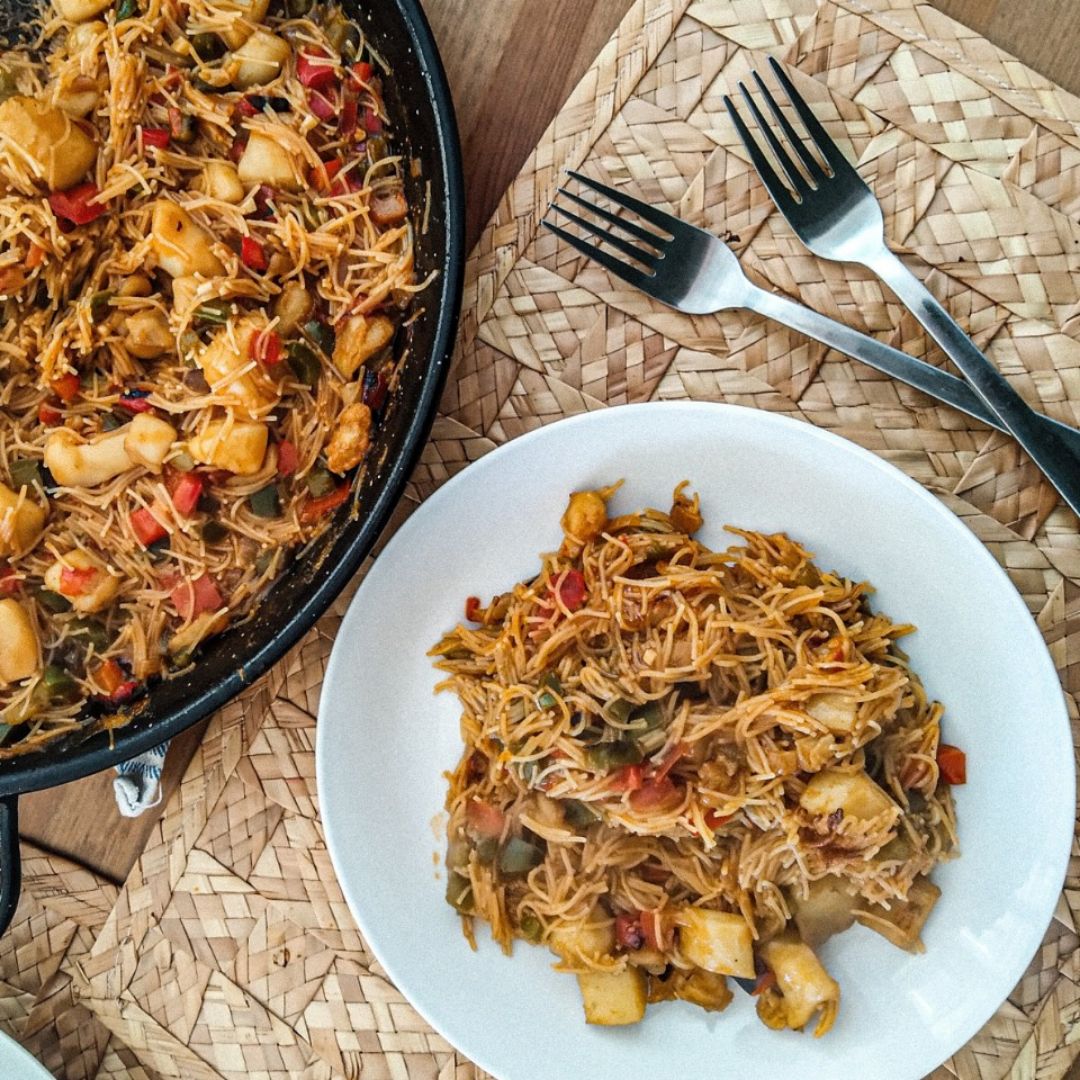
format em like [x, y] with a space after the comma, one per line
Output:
[418, 100]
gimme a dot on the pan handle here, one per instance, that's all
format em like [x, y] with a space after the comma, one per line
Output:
[10, 861]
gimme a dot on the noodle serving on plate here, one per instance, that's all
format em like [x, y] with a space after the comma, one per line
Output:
[682, 765]
[206, 268]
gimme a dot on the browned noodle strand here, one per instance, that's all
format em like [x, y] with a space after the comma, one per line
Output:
[54, 320]
[650, 730]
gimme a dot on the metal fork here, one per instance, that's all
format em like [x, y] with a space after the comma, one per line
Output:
[835, 214]
[692, 270]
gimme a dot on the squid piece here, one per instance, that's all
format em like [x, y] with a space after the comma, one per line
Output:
[63, 152]
[827, 909]
[75, 463]
[148, 440]
[359, 340]
[250, 11]
[232, 373]
[79, 11]
[803, 987]
[261, 59]
[902, 923]
[21, 522]
[613, 998]
[266, 161]
[148, 334]
[88, 585]
[350, 440]
[585, 517]
[705, 989]
[20, 651]
[836, 711]
[576, 943]
[853, 793]
[717, 941]
[182, 246]
[220, 180]
[293, 306]
[238, 447]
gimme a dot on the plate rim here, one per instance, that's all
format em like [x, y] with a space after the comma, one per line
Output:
[446, 491]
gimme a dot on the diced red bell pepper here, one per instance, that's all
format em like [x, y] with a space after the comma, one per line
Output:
[766, 981]
[176, 122]
[192, 598]
[158, 137]
[571, 589]
[75, 204]
[239, 145]
[247, 108]
[372, 122]
[654, 794]
[671, 759]
[287, 458]
[350, 113]
[652, 925]
[185, 491]
[325, 108]
[10, 582]
[628, 778]
[109, 676]
[264, 195]
[34, 257]
[66, 387]
[266, 348]
[484, 820]
[362, 70]
[76, 580]
[314, 509]
[252, 254]
[374, 390]
[714, 819]
[952, 761]
[148, 530]
[49, 414]
[124, 692]
[135, 401]
[321, 176]
[472, 608]
[315, 69]
[628, 932]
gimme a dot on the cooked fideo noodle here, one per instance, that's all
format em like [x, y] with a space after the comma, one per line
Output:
[205, 261]
[682, 765]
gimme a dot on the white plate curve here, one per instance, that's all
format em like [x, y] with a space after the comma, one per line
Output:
[384, 740]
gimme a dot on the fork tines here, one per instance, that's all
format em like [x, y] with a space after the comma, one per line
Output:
[813, 172]
[646, 252]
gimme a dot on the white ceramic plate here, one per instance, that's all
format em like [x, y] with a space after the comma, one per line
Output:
[19, 1064]
[384, 741]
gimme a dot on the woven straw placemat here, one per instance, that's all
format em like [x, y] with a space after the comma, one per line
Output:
[229, 951]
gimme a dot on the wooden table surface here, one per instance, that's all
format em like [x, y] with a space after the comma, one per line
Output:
[511, 64]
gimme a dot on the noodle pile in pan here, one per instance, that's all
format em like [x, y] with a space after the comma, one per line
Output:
[206, 261]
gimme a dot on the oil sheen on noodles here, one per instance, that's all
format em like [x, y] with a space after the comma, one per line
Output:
[682, 765]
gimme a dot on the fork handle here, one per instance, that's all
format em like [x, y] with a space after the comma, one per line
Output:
[876, 354]
[1056, 460]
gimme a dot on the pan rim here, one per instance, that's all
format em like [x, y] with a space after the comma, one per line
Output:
[48, 766]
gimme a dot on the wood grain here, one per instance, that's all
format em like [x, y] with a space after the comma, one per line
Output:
[1043, 33]
[511, 64]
